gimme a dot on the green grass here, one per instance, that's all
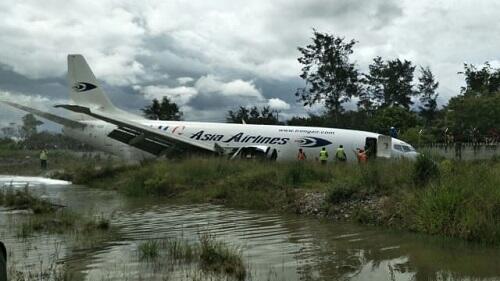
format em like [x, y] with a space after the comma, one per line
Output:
[24, 199]
[149, 250]
[454, 199]
[209, 254]
[217, 256]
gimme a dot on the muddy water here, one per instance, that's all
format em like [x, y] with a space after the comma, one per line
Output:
[275, 247]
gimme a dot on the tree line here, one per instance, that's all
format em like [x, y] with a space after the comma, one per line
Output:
[385, 97]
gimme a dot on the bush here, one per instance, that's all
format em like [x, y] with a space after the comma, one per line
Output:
[424, 170]
[340, 192]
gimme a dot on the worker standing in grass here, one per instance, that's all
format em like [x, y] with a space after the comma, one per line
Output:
[323, 156]
[340, 155]
[301, 156]
[362, 156]
[43, 159]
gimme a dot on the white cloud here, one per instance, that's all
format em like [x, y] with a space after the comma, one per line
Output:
[238, 87]
[180, 95]
[184, 80]
[233, 47]
[278, 104]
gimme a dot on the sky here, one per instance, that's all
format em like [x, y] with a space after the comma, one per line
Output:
[213, 56]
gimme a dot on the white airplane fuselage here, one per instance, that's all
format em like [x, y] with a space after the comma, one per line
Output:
[285, 140]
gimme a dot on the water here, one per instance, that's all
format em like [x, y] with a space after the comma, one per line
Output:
[275, 247]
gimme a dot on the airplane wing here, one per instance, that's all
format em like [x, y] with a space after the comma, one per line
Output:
[140, 133]
[49, 116]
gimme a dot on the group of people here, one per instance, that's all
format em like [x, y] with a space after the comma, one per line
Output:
[340, 155]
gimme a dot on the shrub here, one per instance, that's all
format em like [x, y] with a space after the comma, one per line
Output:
[341, 191]
[424, 170]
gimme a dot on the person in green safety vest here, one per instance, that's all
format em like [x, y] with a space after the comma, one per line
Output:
[43, 159]
[323, 156]
[340, 155]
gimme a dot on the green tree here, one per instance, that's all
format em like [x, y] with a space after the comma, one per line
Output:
[389, 83]
[428, 97]
[254, 115]
[164, 110]
[484, 81]
[329, 75]
[398, 117]
[28, 129]
[471, 112]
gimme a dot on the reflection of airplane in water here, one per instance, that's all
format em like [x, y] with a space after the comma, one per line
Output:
[101, 124]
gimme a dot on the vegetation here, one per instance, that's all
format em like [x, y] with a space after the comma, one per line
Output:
[210, 254]
[457, 199]
[164, 110]
[254, 115]
[23, 199]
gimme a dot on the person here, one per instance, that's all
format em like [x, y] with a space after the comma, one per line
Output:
[362, 156]
[301, 156]
[393, 132]
[323, 156]
[340, 155]
[43, 159]
[3, 262]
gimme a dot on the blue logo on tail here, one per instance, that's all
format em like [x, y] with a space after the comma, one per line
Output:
[312, 142]
[83, 86]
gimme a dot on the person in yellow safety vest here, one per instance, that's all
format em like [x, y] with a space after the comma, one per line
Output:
[323, 156]
[43, 159]
[340, 155]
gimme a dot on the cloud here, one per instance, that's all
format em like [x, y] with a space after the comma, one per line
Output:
[213, 55]
[185, 80]
[278, 104]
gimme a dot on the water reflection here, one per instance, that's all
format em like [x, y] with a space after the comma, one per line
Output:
[275, 247]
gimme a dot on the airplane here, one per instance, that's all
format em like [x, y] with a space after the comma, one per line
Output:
[97, 122]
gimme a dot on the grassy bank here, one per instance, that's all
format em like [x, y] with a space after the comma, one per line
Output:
[455, 199]
[27, 162]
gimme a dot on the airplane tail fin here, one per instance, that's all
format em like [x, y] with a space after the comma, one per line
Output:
[84, 88]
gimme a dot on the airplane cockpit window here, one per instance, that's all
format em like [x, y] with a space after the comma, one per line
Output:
[408, 148]
[398, 147]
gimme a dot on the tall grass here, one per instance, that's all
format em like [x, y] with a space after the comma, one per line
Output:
[209, 254]
[456, 199]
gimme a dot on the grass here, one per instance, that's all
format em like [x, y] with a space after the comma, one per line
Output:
[455, 199]
[23, 199]
[210, 255]
[434, 196]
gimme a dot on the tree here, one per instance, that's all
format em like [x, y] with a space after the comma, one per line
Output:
[470, 112]
[428, 97]
[484, 81]
[254, 115]
[387, 117]
[329, 75]
[389, 83]
[28, 129]
[164, 110]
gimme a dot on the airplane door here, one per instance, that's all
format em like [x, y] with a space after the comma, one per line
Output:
[371, 147]
[384, 146]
